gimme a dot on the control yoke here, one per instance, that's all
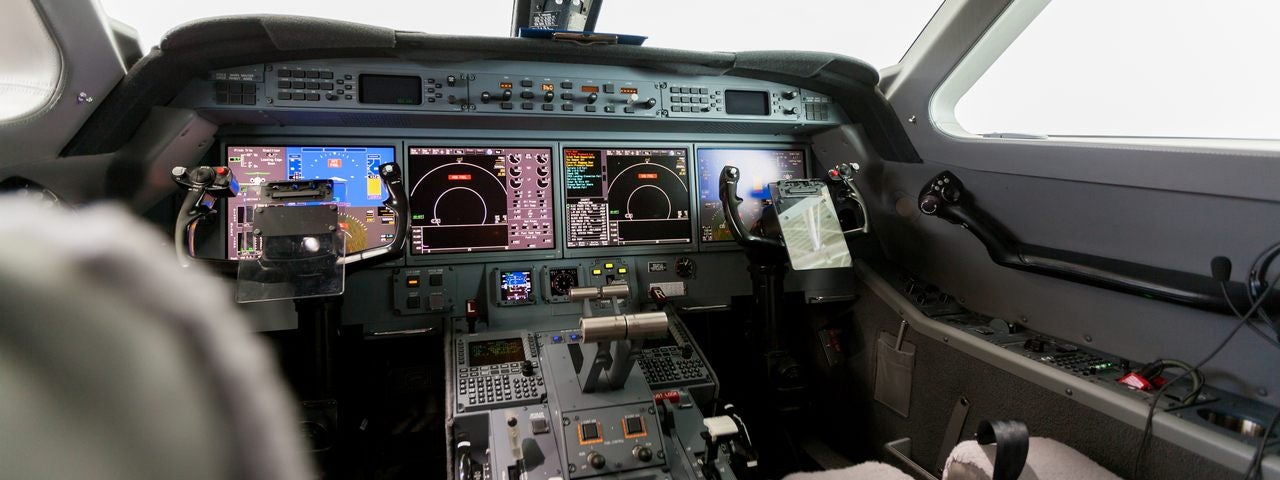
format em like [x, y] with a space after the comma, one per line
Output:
[205, 185]
[767, 234]
[730, 201]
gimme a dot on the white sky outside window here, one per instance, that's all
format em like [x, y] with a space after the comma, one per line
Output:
[875, 31]
[1136, 68]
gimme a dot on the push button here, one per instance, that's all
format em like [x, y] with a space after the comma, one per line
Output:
[589, 432]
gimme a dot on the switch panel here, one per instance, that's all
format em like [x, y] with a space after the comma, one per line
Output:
[413, 296]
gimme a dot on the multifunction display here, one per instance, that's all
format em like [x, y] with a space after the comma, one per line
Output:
[627, 196]
[477, 199]
[760, 169]
[357, 190]
[515, 287]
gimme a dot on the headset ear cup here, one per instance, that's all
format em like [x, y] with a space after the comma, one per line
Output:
[1258, 272]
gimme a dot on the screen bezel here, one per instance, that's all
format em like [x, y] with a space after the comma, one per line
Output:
[626, 250]
[454, 258]
[363, 84]
[764, 95]
[206, 249]
[730, 245]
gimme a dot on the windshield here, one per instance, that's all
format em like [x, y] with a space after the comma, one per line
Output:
[875, 31]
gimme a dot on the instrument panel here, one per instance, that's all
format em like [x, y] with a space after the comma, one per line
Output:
[474, 202]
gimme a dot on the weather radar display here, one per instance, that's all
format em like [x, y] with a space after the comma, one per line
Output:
[480, 199]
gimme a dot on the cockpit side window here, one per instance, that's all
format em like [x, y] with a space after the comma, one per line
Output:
[1148, 71]
[30, 63]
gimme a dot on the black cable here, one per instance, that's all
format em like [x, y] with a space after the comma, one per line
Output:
[1270, 338]
[1255, 466]
[1155, 400]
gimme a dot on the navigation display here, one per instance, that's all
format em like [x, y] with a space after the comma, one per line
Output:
[515, 286]
[760, 168]
[476, 199]
[357, 189]
[492, 352]
[627, 196]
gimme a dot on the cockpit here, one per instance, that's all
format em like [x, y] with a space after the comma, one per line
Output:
[568, 254]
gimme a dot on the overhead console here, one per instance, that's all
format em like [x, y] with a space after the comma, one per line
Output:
[502, 89]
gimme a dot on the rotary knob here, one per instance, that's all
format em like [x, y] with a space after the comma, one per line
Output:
[549, 97]
[593, 98]
[485, 97]
[650, 103]
[930, 203]
[596, 460]
[506, 95]
[642, 453]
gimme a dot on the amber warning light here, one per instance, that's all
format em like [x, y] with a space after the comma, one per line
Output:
[628, 90]
[590, 89]
[647, 176]
[462, 177]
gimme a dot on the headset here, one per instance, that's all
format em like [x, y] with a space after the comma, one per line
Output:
[1257, 283]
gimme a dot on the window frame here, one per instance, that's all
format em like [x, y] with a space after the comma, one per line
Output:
[993, 43]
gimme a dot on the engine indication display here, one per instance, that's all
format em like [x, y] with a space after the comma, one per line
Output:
[627, 196]
[760, 168]
[480, 199]
[357, 190]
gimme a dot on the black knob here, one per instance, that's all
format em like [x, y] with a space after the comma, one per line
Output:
[930, 203]
[951, 194]
[331, 97]
[596, 460]
[453, 100]
[485, 97]
[686, 352]
[511, 422]
[791, 95]
[526, 368]
[642, 453]
[549, 96]
[593, 98]
[650, 103]
[451, 80]
[506, 95]
[790, 111]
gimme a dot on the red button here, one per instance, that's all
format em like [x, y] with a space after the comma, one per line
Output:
[220, 170]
